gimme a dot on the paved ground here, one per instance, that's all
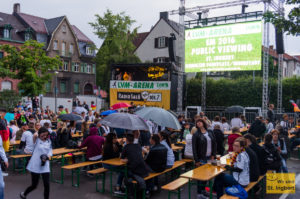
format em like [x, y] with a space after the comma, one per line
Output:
[15, 183]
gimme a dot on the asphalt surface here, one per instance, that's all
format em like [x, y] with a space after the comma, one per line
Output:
[15, 183]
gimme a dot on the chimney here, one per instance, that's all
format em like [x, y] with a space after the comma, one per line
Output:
[164, 15]
[16, 8]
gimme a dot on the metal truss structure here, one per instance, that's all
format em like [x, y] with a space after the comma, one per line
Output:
[203, 10]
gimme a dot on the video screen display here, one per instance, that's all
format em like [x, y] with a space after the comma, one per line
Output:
[230, 47]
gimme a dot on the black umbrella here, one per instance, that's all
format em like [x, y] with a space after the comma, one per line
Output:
[235, 109]
[70, 117]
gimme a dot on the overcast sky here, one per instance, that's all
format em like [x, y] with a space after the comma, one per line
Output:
[145, 12]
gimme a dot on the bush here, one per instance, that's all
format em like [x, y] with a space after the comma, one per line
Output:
[241, 91]
[9, 99]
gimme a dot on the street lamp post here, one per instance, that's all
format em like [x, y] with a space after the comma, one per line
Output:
[55, 91]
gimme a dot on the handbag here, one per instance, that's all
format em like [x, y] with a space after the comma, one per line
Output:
[237, 191]
[3, 166]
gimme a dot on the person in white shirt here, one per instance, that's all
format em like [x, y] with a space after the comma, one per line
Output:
[39, 163]
[239, 167]
[27, 139]
[44, 120]
[270, 125]
[236, 122]
[14, 128]
[217, 122]
[225, 125]
[188, 150]
[90, 117]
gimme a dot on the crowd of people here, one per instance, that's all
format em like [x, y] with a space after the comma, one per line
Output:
[264, 146]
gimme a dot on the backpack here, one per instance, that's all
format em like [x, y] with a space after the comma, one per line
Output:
[238, 191]
[271, 160]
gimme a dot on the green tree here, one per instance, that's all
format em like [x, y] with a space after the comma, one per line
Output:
[291, 24]
[29, 64]
[9, 99]
[117, 47]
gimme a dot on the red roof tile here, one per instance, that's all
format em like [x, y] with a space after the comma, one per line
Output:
[140, 37]
[80, 36]
[37, 23]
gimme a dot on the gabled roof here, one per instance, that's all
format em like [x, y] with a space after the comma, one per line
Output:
[51, 24]
[36, 23]
[15, 23]
[80, 36]
[140, 37]
[173, 24]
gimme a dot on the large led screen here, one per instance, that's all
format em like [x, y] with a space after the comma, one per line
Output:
[230, 47]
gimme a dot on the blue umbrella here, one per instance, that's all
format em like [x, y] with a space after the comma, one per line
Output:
[105, 113]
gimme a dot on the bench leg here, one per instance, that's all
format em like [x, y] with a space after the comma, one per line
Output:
[110, 183]
[299, 153]
[14, 164]
[24, 165]
[189, 187]
[210, 188]
[179, 193]
[77, 177]
[103, 183]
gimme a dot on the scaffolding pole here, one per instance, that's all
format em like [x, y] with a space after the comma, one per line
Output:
[280, 66]
[265, 97]
[203, 92]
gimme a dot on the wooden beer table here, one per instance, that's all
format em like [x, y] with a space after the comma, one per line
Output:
[205, 172]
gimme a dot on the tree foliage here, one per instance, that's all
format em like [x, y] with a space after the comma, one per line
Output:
[117, 47]
[9, 99]
[29, 64]
[242, 91]
[291, 24]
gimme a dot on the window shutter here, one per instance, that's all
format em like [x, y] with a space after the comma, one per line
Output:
[156, 43]
[155, 60]
[166, 41]
[73, 66]
[85, 67]
[82, 67]
[94, 69]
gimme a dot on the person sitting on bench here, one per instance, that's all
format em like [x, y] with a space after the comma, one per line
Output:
[239, 166]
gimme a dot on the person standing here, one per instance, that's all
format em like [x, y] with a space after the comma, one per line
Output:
[236, 121]
[4, 158]
[39, 163]
[271, 114]
[204, 149]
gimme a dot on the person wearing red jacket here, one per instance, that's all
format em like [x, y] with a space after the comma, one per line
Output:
[231, 138]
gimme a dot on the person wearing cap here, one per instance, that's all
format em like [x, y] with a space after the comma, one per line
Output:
[61, 110]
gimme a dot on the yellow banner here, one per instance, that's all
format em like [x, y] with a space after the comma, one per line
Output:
[278, 183]
[149, 93]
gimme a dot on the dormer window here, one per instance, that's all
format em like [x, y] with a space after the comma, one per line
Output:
[6, 33]
[89, 50]
[27, 36]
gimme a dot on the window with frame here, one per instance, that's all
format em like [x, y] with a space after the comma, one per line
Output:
[88, 68]
[66, 66]
[63, 49]
[76, 67]
[64, 29]
[55, 45]
[161, 42]
[27, 36]
[76, 87]
[6, 33]
[71, 49]
[89, 50]
[63, 86]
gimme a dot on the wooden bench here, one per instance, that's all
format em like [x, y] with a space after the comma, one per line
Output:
[174, 187]
[24, 156]
[97, 172]
[248, 188]
[77, 167]
[176, 165]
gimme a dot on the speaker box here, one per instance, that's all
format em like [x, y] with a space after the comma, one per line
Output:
[279, 41]
[171, 47]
